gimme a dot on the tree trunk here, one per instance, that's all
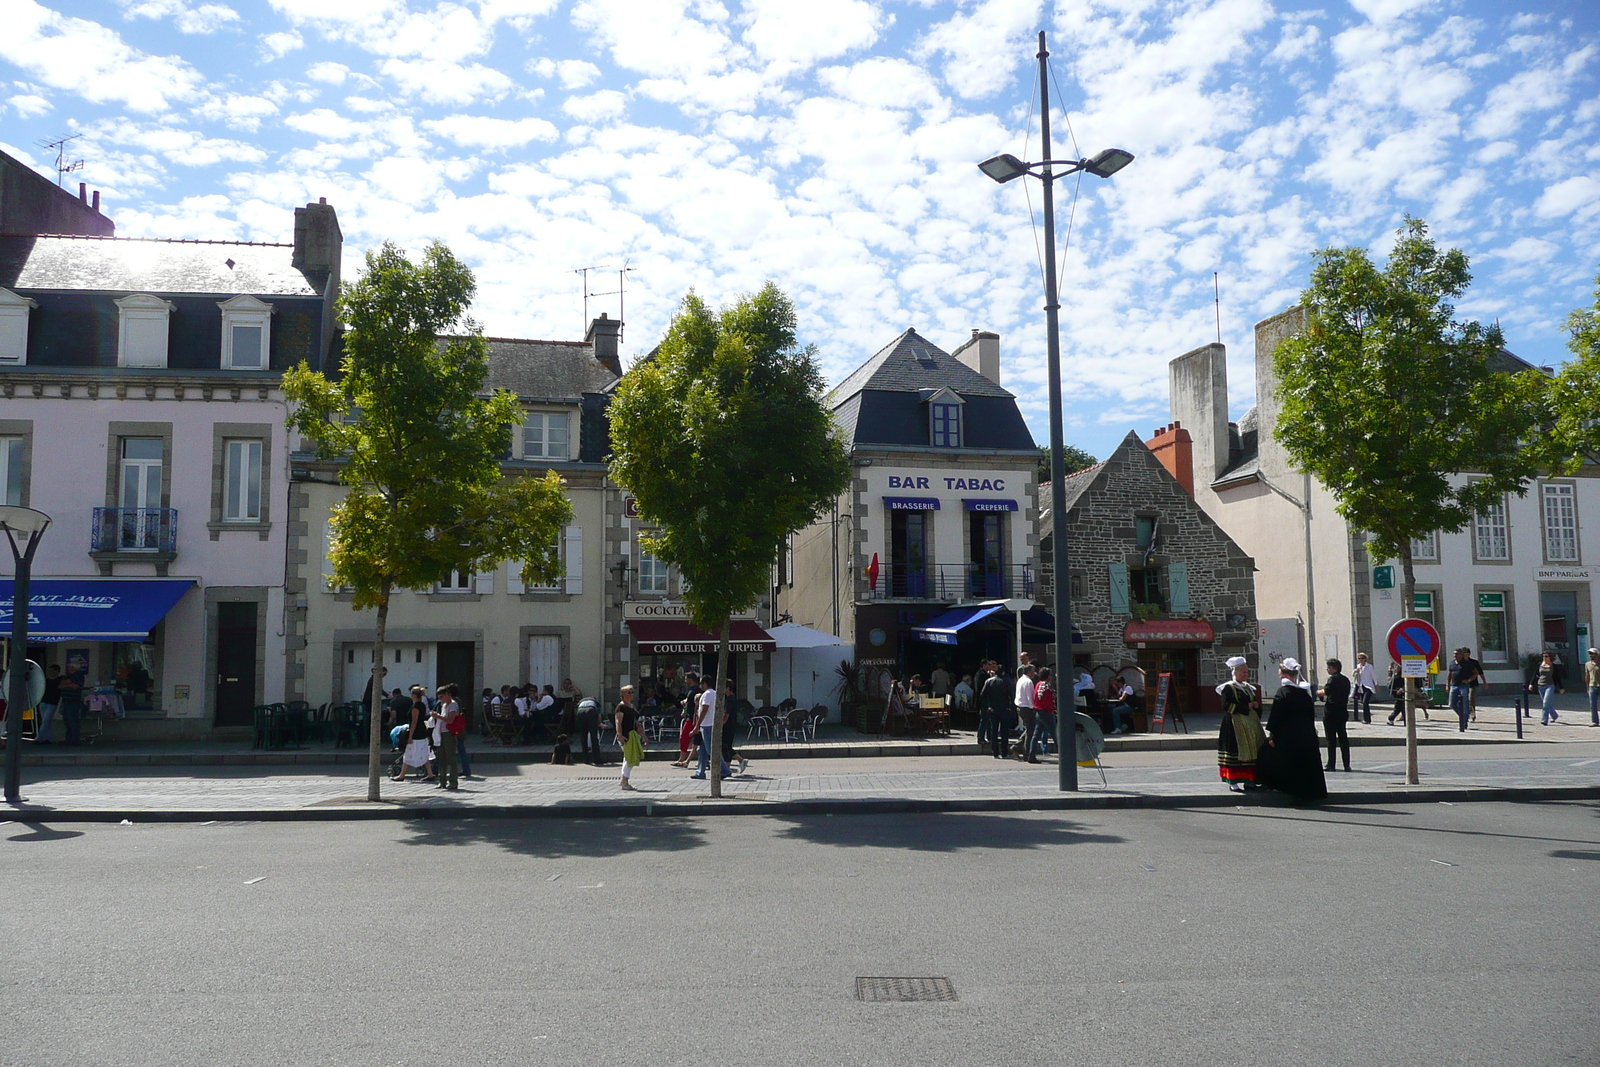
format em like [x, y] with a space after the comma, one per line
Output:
[714, 767]
[375, 733]
[1408, 591]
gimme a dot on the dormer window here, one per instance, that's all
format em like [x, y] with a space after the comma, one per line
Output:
[14, 327]
[246, 333]
[546, 435]
[142, 332]
[944, 417]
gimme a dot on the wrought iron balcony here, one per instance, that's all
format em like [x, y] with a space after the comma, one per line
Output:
[153, 530]
[952, 582]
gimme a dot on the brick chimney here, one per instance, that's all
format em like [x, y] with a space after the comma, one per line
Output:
[1174, 448]
[318, 243]
[981, 352]
[603, 335]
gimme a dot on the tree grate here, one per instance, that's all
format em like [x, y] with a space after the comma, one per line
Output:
[905, 989]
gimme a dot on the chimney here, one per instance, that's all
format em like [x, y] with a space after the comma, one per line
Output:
[603, 335]
[95, 203]
[83, 192]
[1174, 448]
[981, 352]
[318, 243]
[1198, 385]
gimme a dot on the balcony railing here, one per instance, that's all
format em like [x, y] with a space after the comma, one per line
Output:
[135, 530]
[952, 582]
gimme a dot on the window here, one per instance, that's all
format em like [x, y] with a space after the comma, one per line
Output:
[140, 522]
[1560, 523]
[241, 482]
[545, 436]
[142, 331]
[1493, 634]
[11, 470]
[457, 582]
[14, 326]
[1422, 608]
[652, 573]
[1489, 533]
[246, 324]
[947, 425]
[514, 582]
[1426, 550]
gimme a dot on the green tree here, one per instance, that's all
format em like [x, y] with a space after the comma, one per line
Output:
[1076, 460]
[724, 442]
[419, 447]
[1571, 410]
[1389, 400]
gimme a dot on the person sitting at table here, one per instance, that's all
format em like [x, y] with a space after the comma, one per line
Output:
[962, 694]
[1127, 702]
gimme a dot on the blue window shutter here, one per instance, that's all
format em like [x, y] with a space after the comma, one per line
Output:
[1178, 587]
[1119, 588]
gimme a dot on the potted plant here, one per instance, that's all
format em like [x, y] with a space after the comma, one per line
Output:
[848, 691]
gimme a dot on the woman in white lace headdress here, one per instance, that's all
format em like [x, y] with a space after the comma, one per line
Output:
[1240, 738]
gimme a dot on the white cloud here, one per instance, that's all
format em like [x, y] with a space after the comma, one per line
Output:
[596, 107]
[237, 110]
[573, 73]
[478, 131]
[447, 83]
[29, 105]
[325, 124]
[802, 33]
[1566, 197]
[86, 58]
[282, 43]
[328, 72]
[983, 47]
[204, 18]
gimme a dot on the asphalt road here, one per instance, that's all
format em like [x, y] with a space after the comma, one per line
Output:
[1428, 934]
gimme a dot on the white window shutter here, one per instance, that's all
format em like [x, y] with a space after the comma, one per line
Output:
[514, 584]
[483, 584]
[574, 536]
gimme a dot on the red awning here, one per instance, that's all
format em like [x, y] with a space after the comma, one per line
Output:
[1169, 632]
[674, 636]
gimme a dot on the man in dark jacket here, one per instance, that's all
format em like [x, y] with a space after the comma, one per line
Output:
[995, 703]
[1335, 711]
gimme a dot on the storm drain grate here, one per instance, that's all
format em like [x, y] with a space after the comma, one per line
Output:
[903, 989]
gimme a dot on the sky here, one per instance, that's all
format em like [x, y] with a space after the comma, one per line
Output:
[830, 146]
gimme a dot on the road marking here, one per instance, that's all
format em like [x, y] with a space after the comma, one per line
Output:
[1184, 770]
[552, 878]
[1583, 763]
[253, 881]
[1442, 863]
[597, 885]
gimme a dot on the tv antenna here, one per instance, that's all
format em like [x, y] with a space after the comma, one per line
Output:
[59, 145]
[620, 292]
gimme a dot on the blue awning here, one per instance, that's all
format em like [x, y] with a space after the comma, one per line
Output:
[946, 629]
[94, 609]
[911, 503]
[988, 504]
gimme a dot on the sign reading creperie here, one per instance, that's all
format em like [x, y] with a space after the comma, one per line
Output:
[667, 609]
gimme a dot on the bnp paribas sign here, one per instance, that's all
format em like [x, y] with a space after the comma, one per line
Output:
[1563, 574]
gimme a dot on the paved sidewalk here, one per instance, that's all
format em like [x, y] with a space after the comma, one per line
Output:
[1153, 779]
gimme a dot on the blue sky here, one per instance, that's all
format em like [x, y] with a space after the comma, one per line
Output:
[829, 145]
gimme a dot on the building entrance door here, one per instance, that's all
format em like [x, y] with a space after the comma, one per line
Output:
[235, 694]
[454, 664]
[908, 554]
[1558, 610]
[1182, 663]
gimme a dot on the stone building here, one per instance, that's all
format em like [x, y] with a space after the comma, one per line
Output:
[1156, 583]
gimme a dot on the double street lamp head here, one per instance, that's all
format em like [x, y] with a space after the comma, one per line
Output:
[1003, 168]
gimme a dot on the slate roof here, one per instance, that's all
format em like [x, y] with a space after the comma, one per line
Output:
[549, 370]
[140, 265]
[902, 366]
[1074, 486]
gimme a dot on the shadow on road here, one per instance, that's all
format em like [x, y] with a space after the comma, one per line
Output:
[949, 832]
[1303, 815]
[41, 832]
[552, 838]
[1576, 854]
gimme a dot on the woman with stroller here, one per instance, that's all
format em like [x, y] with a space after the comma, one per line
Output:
[415, 738]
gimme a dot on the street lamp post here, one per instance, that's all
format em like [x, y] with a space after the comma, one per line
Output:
[1002, 169]
[29, 524]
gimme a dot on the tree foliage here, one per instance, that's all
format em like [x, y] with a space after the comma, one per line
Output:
[1388, 399]
[1076, 459]
[418, 445]
[724, 442]
[1571, 414]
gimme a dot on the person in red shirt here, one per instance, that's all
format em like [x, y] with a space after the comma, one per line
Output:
[1044, 715]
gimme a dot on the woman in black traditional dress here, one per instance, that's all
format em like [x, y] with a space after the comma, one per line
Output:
[1240, 739]
[1292, 761]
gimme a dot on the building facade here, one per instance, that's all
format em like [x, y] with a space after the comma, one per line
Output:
[942, 511]
[1156, 582]
[478, 629]
[140, 408]
[1516, 582]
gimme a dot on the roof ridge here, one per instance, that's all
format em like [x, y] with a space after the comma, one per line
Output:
[151, 240]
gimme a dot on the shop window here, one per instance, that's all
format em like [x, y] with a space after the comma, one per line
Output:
[1560, 522]
[1422, 607]
[133, 666]
[1494, 637]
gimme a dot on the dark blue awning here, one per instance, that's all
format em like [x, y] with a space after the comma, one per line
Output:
[94, 609]
[911, 503]
[946, 629]
[989, 504]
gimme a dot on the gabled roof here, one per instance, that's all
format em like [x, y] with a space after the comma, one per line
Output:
[548, 370]
[138, 265]
[909, 364]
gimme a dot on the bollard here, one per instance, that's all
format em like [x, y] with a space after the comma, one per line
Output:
[1517, 711]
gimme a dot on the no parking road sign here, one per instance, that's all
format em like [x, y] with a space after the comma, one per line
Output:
[1413, 637]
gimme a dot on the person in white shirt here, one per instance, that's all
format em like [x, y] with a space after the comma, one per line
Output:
[1024, 702]
[1366, 683]
[963, 693]
[1124, 695]
[705, 717]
